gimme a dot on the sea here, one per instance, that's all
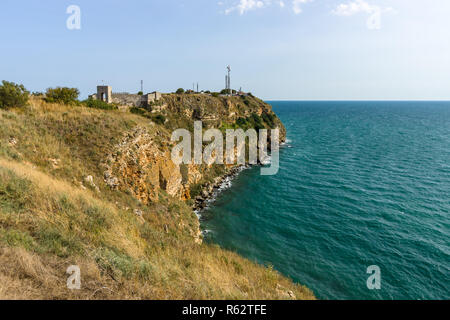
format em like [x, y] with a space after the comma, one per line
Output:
[360, 184]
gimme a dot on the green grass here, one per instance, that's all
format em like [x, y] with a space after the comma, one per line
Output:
[17, 238]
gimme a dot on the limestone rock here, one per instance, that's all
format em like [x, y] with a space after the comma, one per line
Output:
[138, 212]
[12, 142]
[90, 181]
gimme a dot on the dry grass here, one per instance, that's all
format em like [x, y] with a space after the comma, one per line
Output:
[49, 222]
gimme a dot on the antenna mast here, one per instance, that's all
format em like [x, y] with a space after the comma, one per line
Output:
[229, 80]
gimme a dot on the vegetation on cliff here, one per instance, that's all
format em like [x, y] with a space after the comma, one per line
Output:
[95, 188]
[64, 95]
[13, 95]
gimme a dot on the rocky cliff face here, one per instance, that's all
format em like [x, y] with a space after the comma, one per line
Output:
[141, 164]
[219, 111]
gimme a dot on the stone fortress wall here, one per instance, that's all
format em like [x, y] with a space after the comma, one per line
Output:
[104, 93]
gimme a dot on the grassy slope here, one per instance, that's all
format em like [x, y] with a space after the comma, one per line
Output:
[49, 221]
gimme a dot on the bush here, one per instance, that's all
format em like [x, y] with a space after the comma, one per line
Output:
[215, 94]
[140, 93]
[159, 119]
[197, 114]
[241, 122]
[256, 121]
[227, 91]
[139, 111]
[62, 95]
[99, 104]
[13, 95]
[180, 91]
[269, 119]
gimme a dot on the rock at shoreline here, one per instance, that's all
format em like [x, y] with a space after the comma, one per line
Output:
[209, 191]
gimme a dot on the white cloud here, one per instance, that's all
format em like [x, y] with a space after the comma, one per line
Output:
[296, 5]
[351, 8]
[361, 6]
[246, 5]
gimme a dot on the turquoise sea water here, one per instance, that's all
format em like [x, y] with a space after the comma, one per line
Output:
[360, 184]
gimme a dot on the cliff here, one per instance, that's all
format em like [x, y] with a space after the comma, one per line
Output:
[97, 189]
[141, 162]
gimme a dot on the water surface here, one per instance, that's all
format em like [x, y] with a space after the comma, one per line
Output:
[360, 184]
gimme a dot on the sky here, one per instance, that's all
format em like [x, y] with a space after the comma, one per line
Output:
[278, 50]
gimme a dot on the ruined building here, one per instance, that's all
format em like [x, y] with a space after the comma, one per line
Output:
[104, 93]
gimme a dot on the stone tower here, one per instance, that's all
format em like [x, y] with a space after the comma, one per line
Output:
[104, 93]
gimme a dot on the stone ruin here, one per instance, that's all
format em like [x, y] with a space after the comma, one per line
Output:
[104, 93]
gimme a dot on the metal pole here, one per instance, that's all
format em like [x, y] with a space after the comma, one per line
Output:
[229, 81]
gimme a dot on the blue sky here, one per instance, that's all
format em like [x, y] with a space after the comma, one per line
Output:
[290, 49]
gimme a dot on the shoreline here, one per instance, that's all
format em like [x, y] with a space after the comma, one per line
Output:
[211, 190]
[209, 194]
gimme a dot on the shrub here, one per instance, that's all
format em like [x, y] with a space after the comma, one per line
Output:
[139, 111]
[140, 93]
[180, 91]
[62, 95]
[269, 119]
[99, 104]
[159, 119]
[215, 94]
[256, 121]
[197, 114]
[241, 122]
[13, 95]
[115, 263]
[225, 91]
